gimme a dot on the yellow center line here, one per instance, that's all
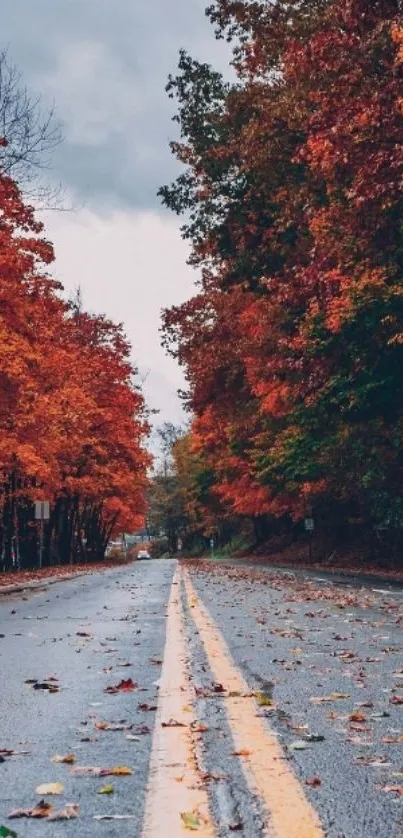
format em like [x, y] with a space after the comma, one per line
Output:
[176, 797]
[290, 815]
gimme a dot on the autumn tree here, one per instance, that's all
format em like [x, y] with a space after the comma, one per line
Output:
[72, 420]
[292, 194]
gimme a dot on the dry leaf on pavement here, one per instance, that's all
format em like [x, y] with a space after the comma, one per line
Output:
[94, 771]
[69, 759]
[49, 788]
[41, 810]
[69, 811]
[123, 686]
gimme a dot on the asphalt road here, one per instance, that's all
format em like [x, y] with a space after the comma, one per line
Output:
[324, 660]
[303, 638]
[123, 614]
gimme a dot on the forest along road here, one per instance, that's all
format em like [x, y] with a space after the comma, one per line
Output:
[201, 698]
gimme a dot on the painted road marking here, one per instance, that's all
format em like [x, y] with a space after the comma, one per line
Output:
[175, 787]
[290, 815]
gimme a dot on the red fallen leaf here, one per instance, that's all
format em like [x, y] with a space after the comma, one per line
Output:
[313, 781]
[123, 686]
[396, 699]
[242, 753]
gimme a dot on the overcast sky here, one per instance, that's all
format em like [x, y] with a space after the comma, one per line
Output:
[104, 63]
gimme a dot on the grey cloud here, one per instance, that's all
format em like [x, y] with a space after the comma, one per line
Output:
[105, 65]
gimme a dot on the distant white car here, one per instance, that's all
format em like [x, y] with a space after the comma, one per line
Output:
[143, 554]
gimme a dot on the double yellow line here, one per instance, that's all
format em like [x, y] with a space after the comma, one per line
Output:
[177, 799]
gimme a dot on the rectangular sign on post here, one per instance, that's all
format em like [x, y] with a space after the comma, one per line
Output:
[42, 510]
[309, 524]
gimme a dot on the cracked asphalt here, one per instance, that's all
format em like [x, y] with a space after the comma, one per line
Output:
[324, 658]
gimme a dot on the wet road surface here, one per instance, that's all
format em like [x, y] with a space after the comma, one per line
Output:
[285, 701]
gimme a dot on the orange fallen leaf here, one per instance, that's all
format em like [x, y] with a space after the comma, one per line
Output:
[357, 716]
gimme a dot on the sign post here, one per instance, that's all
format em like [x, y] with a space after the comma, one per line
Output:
[212, 547]
[309, 525]
[42, 513]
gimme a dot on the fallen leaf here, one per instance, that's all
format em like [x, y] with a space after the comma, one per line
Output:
[172, 723]
[325, 698]
[94, 771]
[5, 832]
[263, 700]
[111, 726]
[313, 781]
[106, 790]
[119, 771]
[191, 820]
[396, 789]
[147, 707]
[41, 810]
[200, 728]
[49, 788]
[43, 685]
[299, 745]
[123, 686]
[357, 716]
[242, 753]
[69, 759]
[141, 730]
[396, 699]
[69, 811]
